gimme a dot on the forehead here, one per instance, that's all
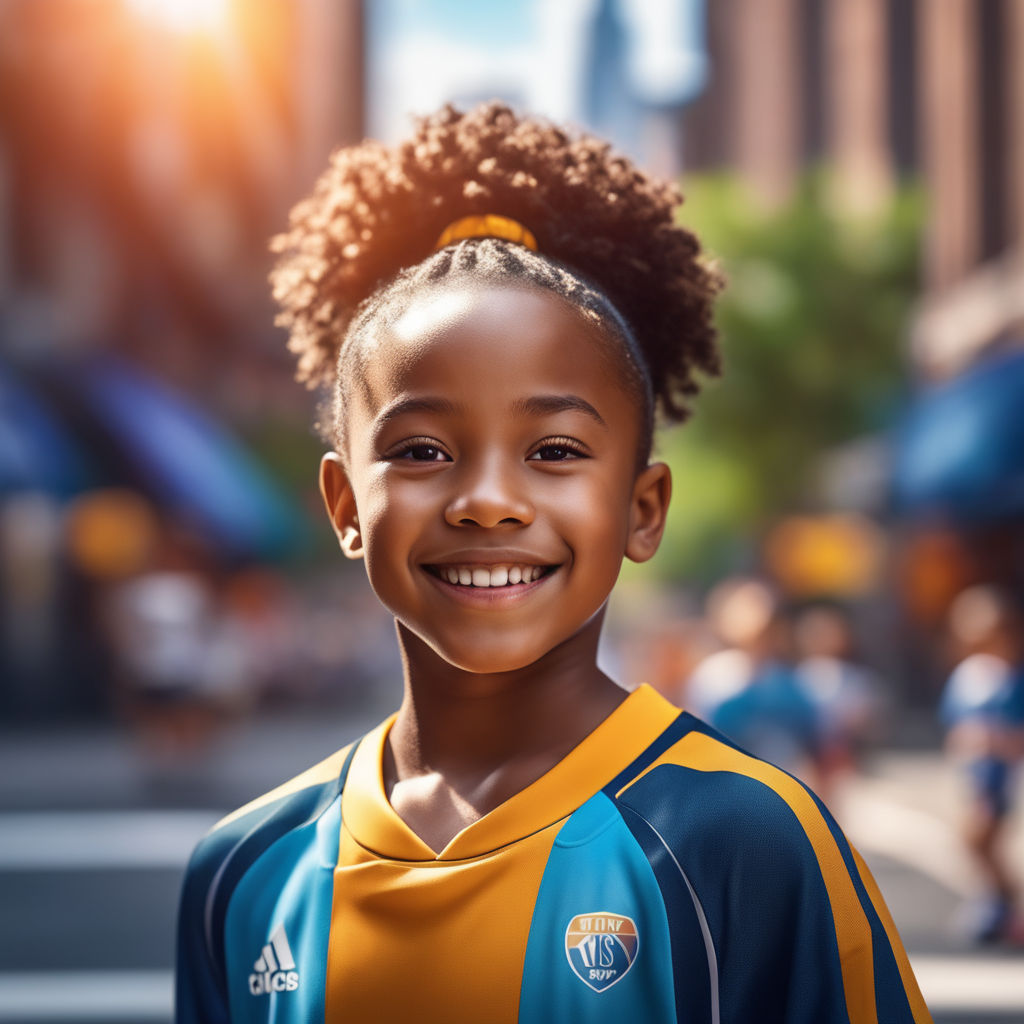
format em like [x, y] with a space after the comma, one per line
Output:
[494, 343]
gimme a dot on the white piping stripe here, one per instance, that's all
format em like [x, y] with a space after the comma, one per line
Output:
[709, 944]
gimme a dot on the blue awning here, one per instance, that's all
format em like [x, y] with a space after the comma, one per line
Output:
[37, 452]
[187, 462]
[959, 453]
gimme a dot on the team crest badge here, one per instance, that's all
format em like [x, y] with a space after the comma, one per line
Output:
[601, 948]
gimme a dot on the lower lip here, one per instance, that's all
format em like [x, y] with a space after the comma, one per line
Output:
[489, 597]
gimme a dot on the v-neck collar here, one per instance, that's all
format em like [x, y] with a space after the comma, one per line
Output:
[613, 745]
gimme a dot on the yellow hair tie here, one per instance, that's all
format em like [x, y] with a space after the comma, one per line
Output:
[487, 225]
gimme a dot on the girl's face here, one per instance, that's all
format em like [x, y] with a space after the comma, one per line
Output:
[491, 482]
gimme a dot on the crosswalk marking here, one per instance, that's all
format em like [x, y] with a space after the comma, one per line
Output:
[77, 840]
[968, 983]
[87, 996]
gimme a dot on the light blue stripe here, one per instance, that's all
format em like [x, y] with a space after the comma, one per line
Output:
[596, 866]
[292, 884]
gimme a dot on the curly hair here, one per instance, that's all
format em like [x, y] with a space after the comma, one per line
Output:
[606, 233]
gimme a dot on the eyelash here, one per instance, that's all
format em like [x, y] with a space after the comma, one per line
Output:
[575, 449]
[406, 448]
[570, 445]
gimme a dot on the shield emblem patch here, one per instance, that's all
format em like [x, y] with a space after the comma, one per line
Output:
[601, 947]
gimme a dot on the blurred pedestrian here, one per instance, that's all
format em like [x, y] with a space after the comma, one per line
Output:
[749, 690]
[181, 669]
[983, 710]
[846, 694]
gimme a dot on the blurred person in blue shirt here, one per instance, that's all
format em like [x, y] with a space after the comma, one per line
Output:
[750, 690]
[982, 708]
[848, 695]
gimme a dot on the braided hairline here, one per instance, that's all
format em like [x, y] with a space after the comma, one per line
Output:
[491, 259]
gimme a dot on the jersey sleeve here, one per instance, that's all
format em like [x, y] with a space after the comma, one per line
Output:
[219, 863]
[200, 995]
[799, 930]
[804, 934]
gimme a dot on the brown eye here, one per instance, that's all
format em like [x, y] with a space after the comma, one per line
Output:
[557, 450]
[423, 453]
[554, 453]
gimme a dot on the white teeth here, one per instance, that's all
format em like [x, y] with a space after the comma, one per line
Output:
[498, 576]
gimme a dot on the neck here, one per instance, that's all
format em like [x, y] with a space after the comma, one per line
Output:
[464, 724]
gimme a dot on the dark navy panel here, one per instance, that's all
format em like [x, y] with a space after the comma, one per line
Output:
[699, 725]
[218, 862]
[694, 977]
[758, 880]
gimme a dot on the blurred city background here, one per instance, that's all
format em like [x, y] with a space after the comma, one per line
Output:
[839, 585]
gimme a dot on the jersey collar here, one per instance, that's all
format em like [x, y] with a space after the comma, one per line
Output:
[609, 749]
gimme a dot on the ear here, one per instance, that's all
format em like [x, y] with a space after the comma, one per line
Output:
[651, 494]
[341, 504]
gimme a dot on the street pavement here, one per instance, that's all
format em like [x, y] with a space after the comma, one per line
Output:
[94, 835]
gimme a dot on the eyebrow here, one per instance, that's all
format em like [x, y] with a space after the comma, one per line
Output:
[537, 405]
[441, 406]
[542, 405]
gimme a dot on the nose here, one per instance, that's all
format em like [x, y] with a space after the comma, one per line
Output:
[490, 496]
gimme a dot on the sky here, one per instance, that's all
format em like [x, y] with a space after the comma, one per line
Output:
[533, 53]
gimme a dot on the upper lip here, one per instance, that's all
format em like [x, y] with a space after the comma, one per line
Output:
[489, 557]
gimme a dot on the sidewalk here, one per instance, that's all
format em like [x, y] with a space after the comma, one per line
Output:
[104, 767]
[908, 805]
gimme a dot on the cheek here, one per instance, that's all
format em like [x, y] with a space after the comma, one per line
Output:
[392, 515]
[593, 516]
[380, 526]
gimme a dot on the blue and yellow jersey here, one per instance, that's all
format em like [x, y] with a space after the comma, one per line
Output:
[657, 873]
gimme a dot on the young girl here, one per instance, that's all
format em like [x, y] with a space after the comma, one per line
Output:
[500, 310]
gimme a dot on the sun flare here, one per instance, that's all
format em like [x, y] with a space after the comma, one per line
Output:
[184, 16]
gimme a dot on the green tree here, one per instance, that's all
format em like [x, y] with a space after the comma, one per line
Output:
[812, 325]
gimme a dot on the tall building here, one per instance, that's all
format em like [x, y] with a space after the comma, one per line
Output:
[884, 89]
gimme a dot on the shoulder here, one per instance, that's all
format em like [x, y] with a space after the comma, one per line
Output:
[220, 861]
[977, 679]
[231, 847]
[796, 920]
[268, 816]
[728, 816]
[797, 924]
[705, 777]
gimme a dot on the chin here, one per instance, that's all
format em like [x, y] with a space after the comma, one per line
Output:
[486, 663]
[483, 658]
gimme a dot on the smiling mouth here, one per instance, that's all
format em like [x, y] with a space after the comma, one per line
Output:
[489, 576]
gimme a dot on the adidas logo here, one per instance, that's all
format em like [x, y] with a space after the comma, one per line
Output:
[274, 971]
